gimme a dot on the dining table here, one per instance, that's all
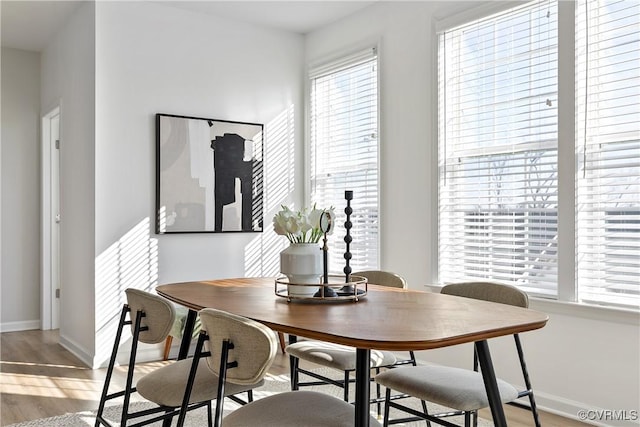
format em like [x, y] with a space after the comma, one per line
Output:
[382, 319]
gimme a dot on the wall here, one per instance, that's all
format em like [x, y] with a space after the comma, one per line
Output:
[586, 357]
[152, 58]
[403, 35]
[68, 69]
[20, 282]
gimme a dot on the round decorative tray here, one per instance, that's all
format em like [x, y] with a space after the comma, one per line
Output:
[334, 291]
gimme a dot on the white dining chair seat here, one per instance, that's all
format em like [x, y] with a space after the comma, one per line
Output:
[160, 387]
[455, 388]
[336, 356]
[295, 409]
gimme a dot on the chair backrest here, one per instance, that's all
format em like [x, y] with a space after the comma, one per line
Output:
[159, 315]
[254, 345]
[383, 278]
[488, 291]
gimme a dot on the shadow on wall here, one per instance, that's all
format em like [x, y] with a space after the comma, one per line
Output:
[132, 261]
[261, 254]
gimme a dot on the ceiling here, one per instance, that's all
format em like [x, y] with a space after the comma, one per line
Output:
[28, 25]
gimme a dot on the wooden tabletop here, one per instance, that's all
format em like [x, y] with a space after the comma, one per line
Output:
[385, 319]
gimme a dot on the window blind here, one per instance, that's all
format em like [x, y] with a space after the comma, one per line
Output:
[608, 150]
[497, 94]
[344, 153]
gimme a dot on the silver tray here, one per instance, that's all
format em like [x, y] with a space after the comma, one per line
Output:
[358, 286]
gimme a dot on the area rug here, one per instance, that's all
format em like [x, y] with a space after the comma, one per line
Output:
[198, 418]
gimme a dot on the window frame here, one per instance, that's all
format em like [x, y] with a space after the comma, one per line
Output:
[567, 286]
[336, 62]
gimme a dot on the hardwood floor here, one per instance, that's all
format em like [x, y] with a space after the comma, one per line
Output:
[39, 379]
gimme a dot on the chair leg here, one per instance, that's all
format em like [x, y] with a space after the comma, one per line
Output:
[527, 382]
[294, 361]
[167, 422]
[467, 419]
[191, 379]
[112, 361]
[414, 362]
[346, 386]
[426, 412]
[222, 378]
[167, 347]
[378, 390]
[293, 365]
[131, 368]
[387, 400]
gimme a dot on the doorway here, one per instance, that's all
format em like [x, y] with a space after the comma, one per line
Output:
[50, 297]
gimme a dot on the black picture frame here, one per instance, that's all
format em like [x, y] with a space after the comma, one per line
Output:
[209, 175]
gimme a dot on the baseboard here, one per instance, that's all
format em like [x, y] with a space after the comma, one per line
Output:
[77, 350]
[582, 412]
[23, 325]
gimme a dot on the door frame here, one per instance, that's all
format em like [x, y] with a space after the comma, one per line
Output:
[49, 304]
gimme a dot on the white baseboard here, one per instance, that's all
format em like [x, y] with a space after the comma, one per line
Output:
[145, 354]
[574, 410]
[23, 325]
[77, 350]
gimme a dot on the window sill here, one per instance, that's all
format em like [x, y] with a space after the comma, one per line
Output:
[576, 309]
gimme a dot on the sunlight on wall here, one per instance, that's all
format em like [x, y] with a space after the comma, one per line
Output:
[261, 254]
[130, 262]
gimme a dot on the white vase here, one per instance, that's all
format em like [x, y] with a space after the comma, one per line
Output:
[302, 264]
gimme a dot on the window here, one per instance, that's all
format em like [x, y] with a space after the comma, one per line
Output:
[608, 149]
[498, 150]
[344, 153]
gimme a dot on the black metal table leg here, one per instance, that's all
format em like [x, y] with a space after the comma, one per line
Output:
[189, 322]
[489, 377]
[363, 377]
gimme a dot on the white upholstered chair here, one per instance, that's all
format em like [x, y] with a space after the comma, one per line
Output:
[460, 389]
[151, 318]
[241, 352]
[339, 357]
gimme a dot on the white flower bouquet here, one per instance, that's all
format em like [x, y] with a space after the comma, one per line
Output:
[302, 226]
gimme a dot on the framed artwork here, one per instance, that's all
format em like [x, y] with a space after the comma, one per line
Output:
[209, 175]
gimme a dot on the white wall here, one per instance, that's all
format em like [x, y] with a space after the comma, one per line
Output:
[20, 282]
[403, 33]
[570, 370]
[149, 58]
[152, 58]
[68, 69]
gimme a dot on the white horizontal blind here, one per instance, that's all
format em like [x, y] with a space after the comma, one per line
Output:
[608, 148]
[498, 149]
[344, 153]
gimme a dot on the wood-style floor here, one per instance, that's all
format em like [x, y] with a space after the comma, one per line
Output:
[39, 379]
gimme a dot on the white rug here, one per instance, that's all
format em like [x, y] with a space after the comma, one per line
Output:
[198, 417]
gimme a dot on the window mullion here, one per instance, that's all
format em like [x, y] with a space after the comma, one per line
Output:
[566, 153]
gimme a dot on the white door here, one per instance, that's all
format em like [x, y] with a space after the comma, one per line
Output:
[50, 309]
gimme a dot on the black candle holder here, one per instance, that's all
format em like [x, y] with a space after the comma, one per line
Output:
[325, 226]
[348, 289]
